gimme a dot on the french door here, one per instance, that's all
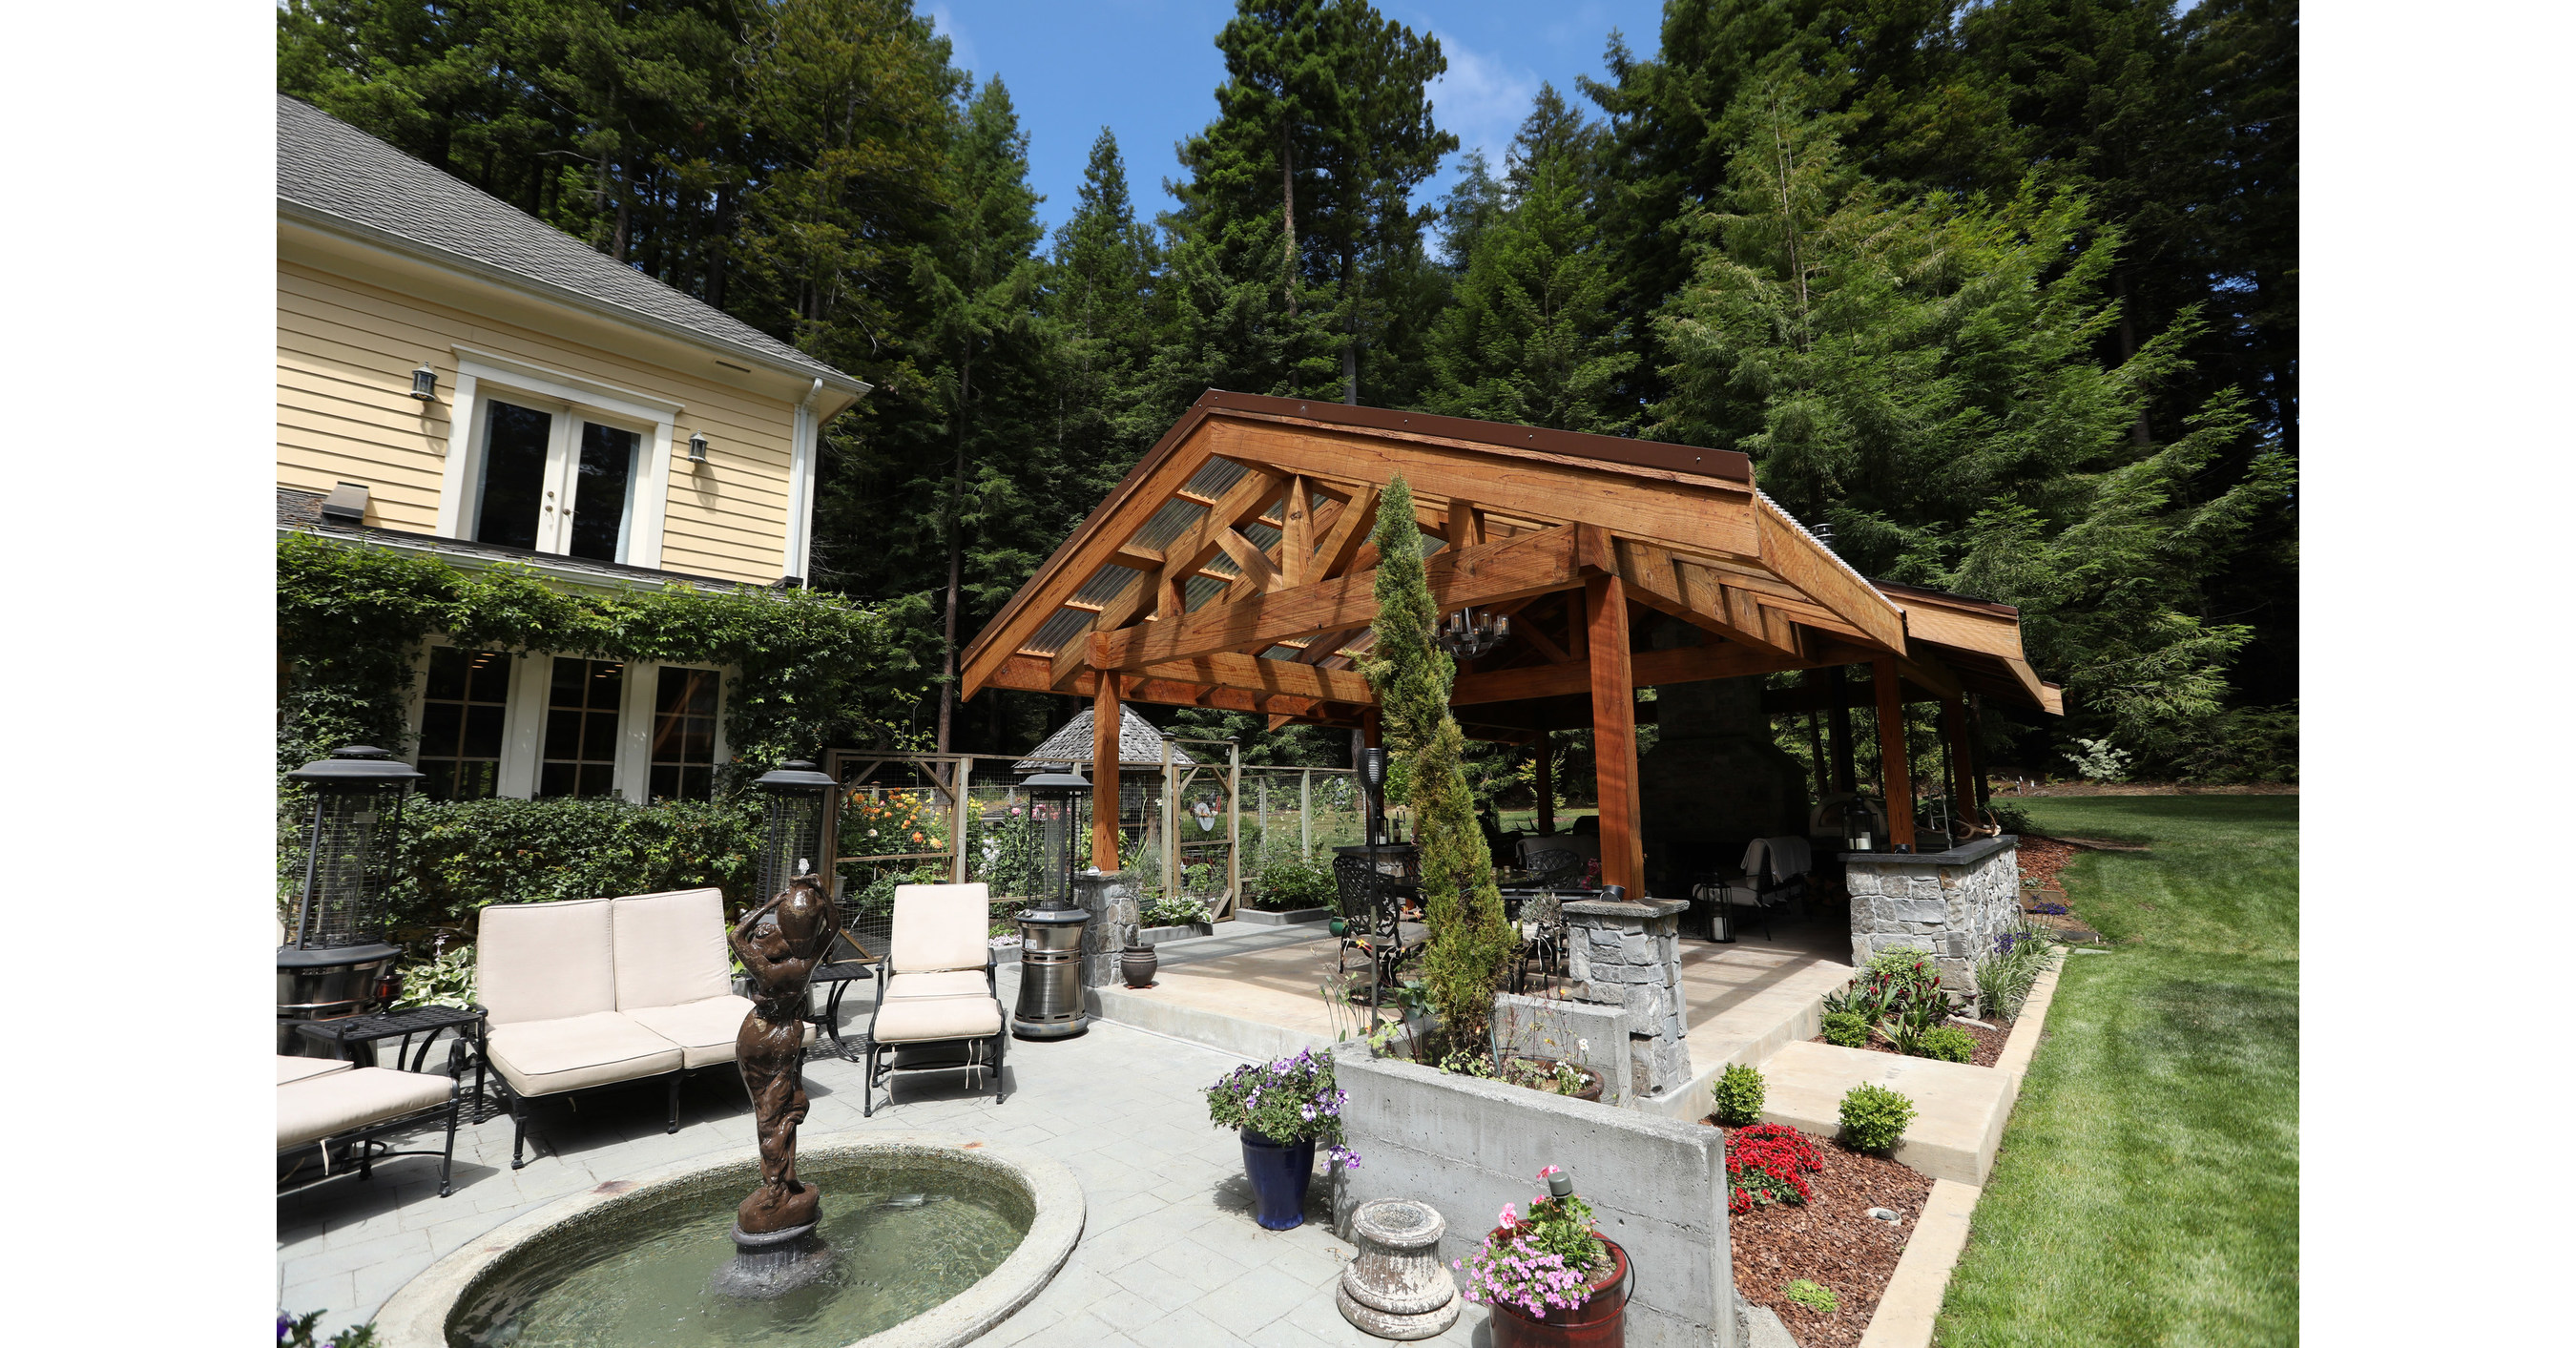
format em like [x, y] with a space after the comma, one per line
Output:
[553, 479]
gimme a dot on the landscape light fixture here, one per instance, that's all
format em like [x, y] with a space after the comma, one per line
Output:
[697, 447]
[424, 383]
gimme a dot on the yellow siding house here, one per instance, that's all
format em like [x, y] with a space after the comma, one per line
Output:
[456, 377]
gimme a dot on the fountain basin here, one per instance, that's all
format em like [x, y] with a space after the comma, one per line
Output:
[935, 1242]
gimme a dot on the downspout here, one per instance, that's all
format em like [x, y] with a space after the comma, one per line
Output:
[800, 502]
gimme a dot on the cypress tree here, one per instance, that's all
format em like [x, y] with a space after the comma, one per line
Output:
[1411, 677]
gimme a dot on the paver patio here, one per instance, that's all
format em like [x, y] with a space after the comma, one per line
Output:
[1169, 1253]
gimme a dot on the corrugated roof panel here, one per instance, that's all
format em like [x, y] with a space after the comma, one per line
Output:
[1169, 522]
[1215, 476]
[1058, 629]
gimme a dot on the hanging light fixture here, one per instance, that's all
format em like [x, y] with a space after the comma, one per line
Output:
[1469, 633]
[424, 383]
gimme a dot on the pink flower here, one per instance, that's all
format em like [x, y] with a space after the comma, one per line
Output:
[1509, 1219]
[1551, 1170]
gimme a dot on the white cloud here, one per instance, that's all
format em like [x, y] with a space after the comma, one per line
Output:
[1480, 99]
[961, 47]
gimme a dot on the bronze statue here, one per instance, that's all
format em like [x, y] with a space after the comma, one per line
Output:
[780, 943]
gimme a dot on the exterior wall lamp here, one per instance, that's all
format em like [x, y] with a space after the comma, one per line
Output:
[424, 383]
[697, 447]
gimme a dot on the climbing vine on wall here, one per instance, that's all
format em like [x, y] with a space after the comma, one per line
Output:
[807, 669]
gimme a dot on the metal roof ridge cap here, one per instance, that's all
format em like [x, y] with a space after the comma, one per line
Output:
[1468, 429]
[331, 221]
[1847, 568]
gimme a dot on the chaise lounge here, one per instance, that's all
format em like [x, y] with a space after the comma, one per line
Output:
[326, 1102]
[937, 1006]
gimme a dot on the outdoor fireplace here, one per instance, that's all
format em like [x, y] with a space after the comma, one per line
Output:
[335, 961]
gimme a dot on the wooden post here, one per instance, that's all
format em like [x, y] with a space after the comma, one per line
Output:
[1305, 814]
[1546, 783]
[960, 774]
[1814, 681]
[1104, 773]
[1234, 826]
[1976, 769]
[1614, 733]
[1963, 789]
[1171, 827]
[1894, 770]
[1839, 731]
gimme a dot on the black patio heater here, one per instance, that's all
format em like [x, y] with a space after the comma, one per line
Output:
[335, 961]
[796, 801]
[1050, 1002]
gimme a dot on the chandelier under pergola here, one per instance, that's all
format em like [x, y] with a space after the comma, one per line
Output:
[1469, 633]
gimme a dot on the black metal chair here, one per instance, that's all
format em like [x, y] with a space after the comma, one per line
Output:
[1373, 922]
[1554, 867]
[1538, 953]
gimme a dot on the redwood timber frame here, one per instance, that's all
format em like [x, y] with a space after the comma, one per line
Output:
[1232, 568]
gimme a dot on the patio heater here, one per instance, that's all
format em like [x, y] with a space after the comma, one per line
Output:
[1050, 1001]
[796, 801]
[335, 961]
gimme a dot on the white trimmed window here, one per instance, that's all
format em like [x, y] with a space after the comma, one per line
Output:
[555, 463]
[486, 723]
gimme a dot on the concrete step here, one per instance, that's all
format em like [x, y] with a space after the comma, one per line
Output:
[1959, 1108]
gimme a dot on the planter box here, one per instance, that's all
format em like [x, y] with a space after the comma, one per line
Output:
[1467, 1146]
[1281, 918]
[1006, 954]
[1158, 935]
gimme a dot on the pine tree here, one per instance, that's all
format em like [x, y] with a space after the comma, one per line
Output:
[1461, 905]
[1532, 337]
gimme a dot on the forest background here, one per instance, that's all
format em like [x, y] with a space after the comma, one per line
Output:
[2004, 294]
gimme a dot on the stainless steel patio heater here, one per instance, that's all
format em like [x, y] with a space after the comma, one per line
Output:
[335, 961]
[1050, 1002]
[796, 802]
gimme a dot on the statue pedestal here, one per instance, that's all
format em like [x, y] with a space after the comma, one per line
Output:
[774, 1264]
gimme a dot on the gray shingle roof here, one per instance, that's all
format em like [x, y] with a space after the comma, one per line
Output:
[327, 167]
[1140, 745]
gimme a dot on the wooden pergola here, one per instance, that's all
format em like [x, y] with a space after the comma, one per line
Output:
[1232, 568]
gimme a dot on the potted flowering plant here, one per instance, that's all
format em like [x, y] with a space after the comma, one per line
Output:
[1552, 1278]
[1280, 1110]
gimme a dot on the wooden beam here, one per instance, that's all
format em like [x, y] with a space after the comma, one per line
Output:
[1459, 578]
[1704, 515]
[1788, 553]
[1894, 767]
[1105, 724]
[1297, 534]
[1466, 524]
[1693, 594]
[1687, 664]
[1286, 677]
[1162, 592]
[1614, 734]
[1256, 565]
[1963, 790]
[1350, 529]
[1062, 575]
[1137, 558]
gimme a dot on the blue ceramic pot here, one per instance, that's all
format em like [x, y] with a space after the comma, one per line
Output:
[1279, 1172]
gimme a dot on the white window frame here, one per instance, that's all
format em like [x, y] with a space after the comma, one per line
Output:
[523, 719]
[482, 377]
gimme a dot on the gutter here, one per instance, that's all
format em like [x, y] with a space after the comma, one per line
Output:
[401, 243]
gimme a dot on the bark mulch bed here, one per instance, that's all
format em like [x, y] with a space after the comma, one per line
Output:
[1990, 1043]
[1832, 1240]
[2042, 858]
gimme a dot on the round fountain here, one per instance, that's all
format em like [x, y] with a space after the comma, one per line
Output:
[926, 1243]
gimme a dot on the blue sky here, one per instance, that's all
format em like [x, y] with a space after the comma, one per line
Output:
[1148, 70]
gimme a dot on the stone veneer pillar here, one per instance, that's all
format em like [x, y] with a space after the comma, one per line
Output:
[1110, 898]
[1950, 905]
[1629, 955]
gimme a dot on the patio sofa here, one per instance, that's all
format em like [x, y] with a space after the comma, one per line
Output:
[595, 992]
[323, 1102]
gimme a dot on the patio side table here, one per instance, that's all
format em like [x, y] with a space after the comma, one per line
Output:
[347, 1032]
[838, 976]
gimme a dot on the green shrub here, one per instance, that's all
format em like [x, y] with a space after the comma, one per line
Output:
[1297, 884]
[1813, 1295]
[1849, 1029]
[1739, 1095]
[1948, 1043]
[1874, 1117]
[457, 856]
[1174, 912]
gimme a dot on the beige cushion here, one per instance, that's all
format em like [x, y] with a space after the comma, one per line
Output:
[299, 1069]
[705, 1030]
[670, 948]
[940, 927]
[919, 1019]
[546, 1057]
[544, 961]
[959, 984]
[316, 1107]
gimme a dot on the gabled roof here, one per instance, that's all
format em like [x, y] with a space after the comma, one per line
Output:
[333, 174]
[1140, 745]
[1232, 568]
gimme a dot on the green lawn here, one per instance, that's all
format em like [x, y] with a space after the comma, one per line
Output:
[2148, 1187]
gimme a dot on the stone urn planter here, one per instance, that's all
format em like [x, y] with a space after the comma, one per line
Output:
[1136, 964]
[1396, 1287]
[1600, 1322]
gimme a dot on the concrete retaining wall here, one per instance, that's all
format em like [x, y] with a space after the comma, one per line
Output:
[1282, 917]
[1467, 1146]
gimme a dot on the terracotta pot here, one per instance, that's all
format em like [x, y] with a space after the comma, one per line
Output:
[1598, 1323]
[1136, 964]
